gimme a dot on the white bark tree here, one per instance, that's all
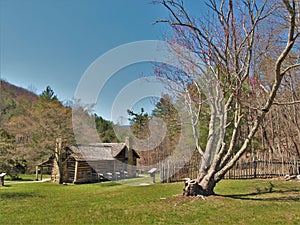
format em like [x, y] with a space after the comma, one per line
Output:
[220, 55]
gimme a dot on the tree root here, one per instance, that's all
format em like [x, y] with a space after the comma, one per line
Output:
[193, 188]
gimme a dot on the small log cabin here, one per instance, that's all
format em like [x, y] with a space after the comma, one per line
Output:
[93, 163]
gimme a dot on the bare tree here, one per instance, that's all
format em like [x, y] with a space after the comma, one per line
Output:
[220, 55]
[282, 125]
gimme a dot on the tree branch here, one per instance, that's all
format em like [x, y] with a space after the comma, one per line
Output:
[286, 103]
[278, 78]
[290, 67]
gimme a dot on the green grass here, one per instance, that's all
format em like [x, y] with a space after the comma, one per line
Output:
[27, 177]
[237, 202]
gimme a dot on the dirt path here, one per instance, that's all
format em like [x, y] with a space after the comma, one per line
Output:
[26, 182]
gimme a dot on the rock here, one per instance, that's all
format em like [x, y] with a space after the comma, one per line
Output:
[287, 177]
[292, 177]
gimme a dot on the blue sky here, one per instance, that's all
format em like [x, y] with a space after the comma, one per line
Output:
[52, 42]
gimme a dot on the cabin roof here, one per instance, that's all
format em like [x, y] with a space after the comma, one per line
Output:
[48, 162]
[98, 151]
[92, 152]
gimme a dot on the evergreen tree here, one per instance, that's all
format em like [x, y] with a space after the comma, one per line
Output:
[139, 123]
[48, 94]
[105, 130]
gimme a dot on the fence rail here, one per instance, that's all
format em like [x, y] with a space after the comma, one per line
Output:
[262, 169]
[170, 172]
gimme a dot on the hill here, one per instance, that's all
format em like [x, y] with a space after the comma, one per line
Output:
[30, 124]
[17, 92]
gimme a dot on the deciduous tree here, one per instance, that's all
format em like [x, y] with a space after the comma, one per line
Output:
[220, 55]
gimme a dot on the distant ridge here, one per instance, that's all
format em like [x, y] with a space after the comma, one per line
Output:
[18, 92]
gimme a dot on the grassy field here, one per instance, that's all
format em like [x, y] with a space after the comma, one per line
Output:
[26, 177]
[237, 202]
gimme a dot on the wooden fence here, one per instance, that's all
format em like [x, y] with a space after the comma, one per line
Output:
[262, 169]
[172, 172]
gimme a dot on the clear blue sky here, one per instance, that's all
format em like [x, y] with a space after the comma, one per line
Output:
[52, 42]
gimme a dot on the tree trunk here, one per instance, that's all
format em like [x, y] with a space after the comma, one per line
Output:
[205, 186]
[193, 188]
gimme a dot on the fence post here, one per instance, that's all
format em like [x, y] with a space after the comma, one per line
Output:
[295, 166]
[254, 167]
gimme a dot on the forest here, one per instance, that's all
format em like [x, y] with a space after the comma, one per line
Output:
[30, 124]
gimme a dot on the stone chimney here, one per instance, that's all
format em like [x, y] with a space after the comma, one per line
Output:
[131, 165]
[128, 142]
[56, 169]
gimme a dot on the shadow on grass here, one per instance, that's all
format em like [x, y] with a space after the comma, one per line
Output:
[18, 179]
[287, 195]
[6, 185]
[19, 195]
[110, 184]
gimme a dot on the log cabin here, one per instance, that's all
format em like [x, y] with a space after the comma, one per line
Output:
[92, 163]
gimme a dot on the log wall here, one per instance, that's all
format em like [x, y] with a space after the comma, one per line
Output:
[95, 171]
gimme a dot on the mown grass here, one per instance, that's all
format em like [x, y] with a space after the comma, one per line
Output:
[236, 202]
[26, 177]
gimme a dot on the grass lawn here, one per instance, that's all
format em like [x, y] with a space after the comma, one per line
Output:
[237, 202]
[27, 177]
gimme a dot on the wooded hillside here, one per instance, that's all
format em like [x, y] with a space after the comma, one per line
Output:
[30, 124]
